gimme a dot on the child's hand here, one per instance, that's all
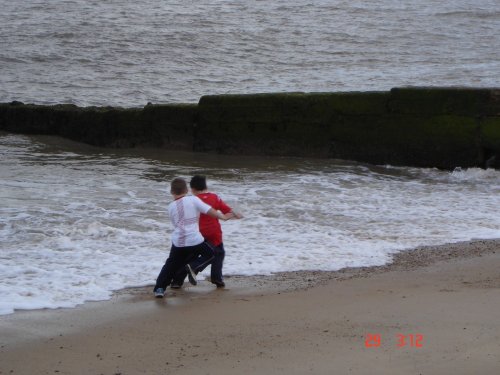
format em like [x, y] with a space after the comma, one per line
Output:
[237, 215]
[223, 217]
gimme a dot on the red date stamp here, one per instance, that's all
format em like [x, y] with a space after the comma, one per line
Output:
[374, 340]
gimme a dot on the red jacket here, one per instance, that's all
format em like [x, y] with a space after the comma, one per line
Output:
[210, 227]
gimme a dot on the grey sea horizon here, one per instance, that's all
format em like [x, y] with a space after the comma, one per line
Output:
[129, 53]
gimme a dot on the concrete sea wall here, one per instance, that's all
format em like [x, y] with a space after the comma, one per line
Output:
[423, 127]
[162, 126]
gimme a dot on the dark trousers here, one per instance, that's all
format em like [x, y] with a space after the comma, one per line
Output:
[199, 265]
[179, 257]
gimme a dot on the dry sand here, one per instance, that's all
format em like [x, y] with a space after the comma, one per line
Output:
[444, 300]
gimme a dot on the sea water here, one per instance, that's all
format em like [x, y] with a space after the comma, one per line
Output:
[130, 52]
[77, 222]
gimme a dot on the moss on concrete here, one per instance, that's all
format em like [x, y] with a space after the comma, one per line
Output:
[437, 101]
[153, 126]
[358, 126]
[274, 124]
[490, 133]
[425, 127]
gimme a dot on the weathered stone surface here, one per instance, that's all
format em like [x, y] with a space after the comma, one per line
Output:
[294, 124]
[169, 126]
[442, 101]
[424, 127]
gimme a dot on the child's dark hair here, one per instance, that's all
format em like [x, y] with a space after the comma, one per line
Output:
[198, 182]
[178, 186]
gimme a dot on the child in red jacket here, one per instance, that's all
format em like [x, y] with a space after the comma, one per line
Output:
[211, 230]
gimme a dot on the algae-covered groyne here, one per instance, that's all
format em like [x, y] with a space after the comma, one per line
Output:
[423, 127]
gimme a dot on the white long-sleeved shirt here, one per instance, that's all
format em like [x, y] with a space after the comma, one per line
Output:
[185, 215]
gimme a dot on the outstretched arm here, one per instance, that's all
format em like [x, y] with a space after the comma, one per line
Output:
[228, 211]
[216, 214]
[233, 215]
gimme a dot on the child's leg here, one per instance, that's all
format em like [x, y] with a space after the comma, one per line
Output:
[181, 274]
[216, 270]
[205, 256]
[179, 277]
[177, 259]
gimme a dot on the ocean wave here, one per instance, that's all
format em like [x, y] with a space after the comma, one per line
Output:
[102, 225]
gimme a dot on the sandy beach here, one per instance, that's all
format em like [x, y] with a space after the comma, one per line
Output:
[434, 310]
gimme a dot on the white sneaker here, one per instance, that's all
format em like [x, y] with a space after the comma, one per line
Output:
[159, 293]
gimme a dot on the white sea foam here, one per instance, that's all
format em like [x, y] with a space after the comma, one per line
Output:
[76, 226]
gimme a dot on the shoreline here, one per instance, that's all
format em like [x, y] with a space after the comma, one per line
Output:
[288, 281]
[449, 289]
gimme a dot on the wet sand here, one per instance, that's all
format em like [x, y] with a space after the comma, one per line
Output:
[444, 301]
